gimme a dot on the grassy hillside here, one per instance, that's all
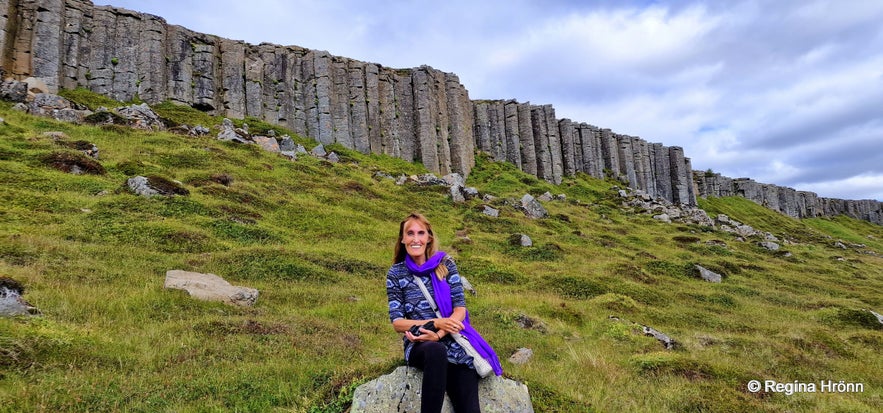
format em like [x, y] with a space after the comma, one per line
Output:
[316, 239]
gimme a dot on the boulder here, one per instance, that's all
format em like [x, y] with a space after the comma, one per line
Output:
[11, 302]
[14, 91]
[210, 287]
[532, 208]
[708, 275]
[663, 338]
[319, 151]
[267, 143]
[491, 212]
[769, 245]
[521, 356]
[521, 240]
[154, 186]
[457, 193]
[400, 391]
[141, 117]
[230, 133]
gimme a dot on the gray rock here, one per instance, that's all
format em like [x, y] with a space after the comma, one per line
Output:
[546, 197]
[140, 186]
[11, 302]
[230, 133]
[491, 212]
[14, 91]
[267, 143]
[429, 180]
[400, 391]
[521, 240]
[210, 287]
[457, 194]
[521, 356]
[532, 208]
[287, 144]
[333, 157]
[467, 286]
[141, 117]
[663, 338]
[840, 245]
[708, 275]
[199, 130]
[879, 316]
[289, 154]
[745, 231]
[663, 217]
[319, 151]
[772, 246]
[470, 193]
[453, 179]
[20, 107]
[36, 85]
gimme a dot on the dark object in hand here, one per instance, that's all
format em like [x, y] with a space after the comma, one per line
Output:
[415, 330]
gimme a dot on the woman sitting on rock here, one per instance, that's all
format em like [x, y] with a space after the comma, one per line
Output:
[428, 342]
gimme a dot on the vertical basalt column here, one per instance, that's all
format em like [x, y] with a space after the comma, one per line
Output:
[294, 106]
[372, 107]
[497, 125]
[770, 196]
[627, 160]
[406, 138]
[554, 140]
[340, 105]
[254, 77]
[788, 203]
[424, 119]
[358, 105]
[680, 184]
[593, 160]
[180, 64]
[610, 152]
[310, 93]
[644, 168]
[322, 67]
[97, 58]
[565, 130]
[5, 29]
[527, 145]
[150, 61]
[512, 134]
[460, 119]
[441, 121]
[691, 190]
[72, 41]
[541, 143]
[47, 40]
[203, 84]
[482, 127]
[388, 114]
[232, 78]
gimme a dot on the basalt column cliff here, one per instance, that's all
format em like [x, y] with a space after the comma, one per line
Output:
[418, 114]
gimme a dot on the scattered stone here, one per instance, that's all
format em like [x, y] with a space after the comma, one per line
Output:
[561, 197]
[428, 180]
[772, 246]
[333, 157]
[879, 316]
[470, 193]
[457, 193]
[287, 144]
[521, 240]
[400, 391]
[546, 197]
[491, 212]
[708, 275]
[14, 91]
[521, 356]
[36, 85]
[319, 151]
[230, 133]
[529, 323]
[663, 338]
[141, 117]
[454, 179]
[663, 217]
[840, 245]
[401, 180]
[73, 162]
[154, 186]
[532, 208]
[11, 302]
[210, 287]
[467, 286]
[199, 130]
[267, 143]
[716, 243]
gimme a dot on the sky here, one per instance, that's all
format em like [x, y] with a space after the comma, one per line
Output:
[783, 92]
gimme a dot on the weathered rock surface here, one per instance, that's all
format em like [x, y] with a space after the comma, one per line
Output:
[399, 391]
[210, 287]
[418, 114]
[708, 275]
[11, 302]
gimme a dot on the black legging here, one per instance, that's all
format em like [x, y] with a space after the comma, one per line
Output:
[459, 380]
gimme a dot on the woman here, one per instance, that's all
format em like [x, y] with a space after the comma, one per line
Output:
[445, 365]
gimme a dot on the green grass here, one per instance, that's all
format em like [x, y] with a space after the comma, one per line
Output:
[316, 239]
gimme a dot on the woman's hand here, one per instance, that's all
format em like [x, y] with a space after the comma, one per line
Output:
[428, 335]
[449, 324]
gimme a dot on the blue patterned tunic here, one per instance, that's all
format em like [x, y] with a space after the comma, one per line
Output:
[406, 301]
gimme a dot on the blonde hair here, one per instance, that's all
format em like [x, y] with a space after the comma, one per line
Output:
[431, 247]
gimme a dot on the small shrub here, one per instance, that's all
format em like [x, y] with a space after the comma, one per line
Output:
[574, 287]
[223, 179]
[684, 239]
[73, 162]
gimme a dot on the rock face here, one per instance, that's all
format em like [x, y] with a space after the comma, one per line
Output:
[210, 287]
[419, 114]
[791, 202]
[399, 391]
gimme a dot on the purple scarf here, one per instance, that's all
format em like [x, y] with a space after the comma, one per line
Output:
[442, 293]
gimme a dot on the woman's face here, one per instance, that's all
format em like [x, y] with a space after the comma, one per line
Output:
[416, 237]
